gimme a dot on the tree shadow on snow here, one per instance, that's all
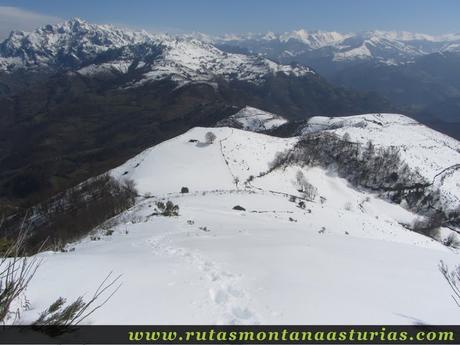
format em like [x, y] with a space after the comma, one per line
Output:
[414, 320]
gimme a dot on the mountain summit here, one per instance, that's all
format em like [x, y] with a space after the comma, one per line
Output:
[87, 48]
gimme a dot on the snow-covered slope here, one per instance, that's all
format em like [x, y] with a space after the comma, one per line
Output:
[344, 257]
[371, 46]
[435, 155]
[189, 161]
[314, 39]
[189, 59]
[253, 119]
[88, 49]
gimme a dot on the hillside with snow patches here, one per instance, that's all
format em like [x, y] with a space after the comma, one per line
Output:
[434, 155]
[89, 49]
[253, 119]
[345, 257]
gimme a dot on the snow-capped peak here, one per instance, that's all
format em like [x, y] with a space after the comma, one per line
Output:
[314, 39]
[405, 36]
[78, 45]
[388, 47]
[66, 44]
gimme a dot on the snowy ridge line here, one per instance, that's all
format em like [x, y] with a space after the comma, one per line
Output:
[325, 38]
[150, 57]
[390, 48]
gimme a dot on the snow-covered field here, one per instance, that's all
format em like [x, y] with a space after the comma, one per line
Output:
[345, 258]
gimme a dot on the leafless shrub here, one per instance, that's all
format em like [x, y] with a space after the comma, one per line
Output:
[16, 272]
[57, 314]
[453, 279]
[375, 168]
[76, 212]
[305, 187]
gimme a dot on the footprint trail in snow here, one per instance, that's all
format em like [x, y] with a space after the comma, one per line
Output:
[224, 291]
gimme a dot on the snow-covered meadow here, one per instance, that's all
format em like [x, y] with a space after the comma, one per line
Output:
[344, 258]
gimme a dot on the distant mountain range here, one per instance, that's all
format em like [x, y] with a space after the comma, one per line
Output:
[89, 49]
[388, 47]
[78, 99]
[418, 73]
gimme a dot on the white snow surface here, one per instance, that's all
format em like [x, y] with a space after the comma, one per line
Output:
[255, 120]
[345, 258]
[361, 52]
[436, 156]
[314, 39]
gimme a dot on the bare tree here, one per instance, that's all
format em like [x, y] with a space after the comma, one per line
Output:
[74, 213]
[453, 279]
[305, 187]
[210, 137]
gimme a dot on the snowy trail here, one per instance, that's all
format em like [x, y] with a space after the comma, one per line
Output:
[225, 293]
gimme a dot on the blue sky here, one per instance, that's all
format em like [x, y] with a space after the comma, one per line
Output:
[236, 16]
